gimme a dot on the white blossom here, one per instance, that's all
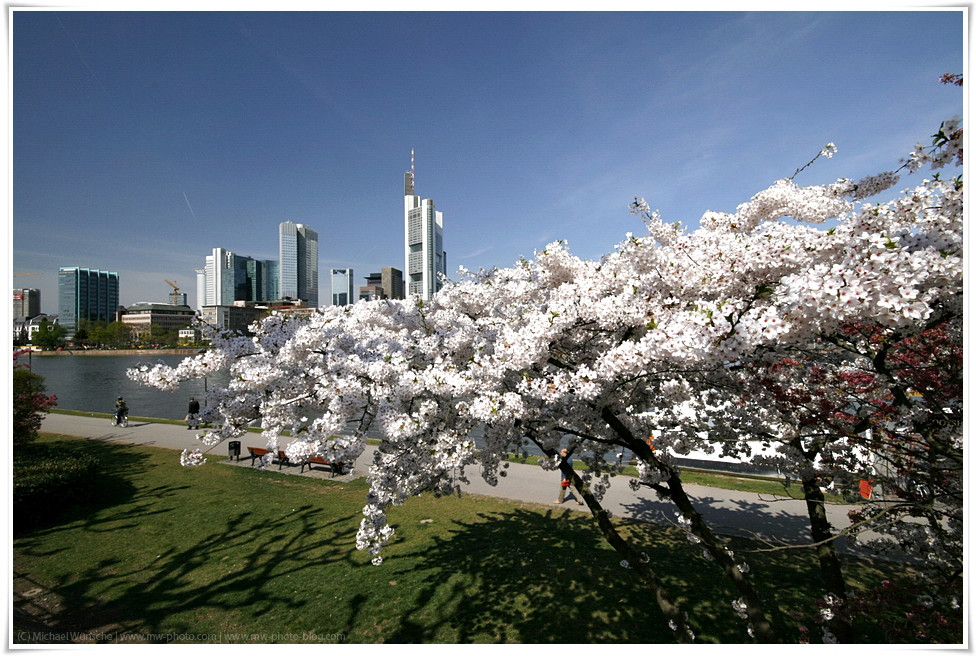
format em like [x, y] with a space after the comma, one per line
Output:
[194, 459]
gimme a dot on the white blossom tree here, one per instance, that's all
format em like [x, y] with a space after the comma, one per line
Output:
[674, 331]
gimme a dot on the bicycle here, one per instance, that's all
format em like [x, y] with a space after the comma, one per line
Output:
[120, 420]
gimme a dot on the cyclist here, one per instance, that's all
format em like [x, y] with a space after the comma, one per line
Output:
[121, 410]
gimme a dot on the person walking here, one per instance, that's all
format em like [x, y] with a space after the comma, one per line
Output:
[564, 481]
[193, 414]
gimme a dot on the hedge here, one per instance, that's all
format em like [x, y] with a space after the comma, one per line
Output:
[47, 482]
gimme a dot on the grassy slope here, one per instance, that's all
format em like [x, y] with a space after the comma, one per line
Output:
[230, 554]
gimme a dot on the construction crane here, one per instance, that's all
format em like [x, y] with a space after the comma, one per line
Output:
[27, 274]
[175, 294]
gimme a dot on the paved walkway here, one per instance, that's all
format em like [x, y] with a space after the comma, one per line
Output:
[728, 512]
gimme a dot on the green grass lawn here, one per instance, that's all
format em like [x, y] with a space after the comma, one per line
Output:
[232, 554]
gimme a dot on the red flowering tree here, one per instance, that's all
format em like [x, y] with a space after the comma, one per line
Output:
[870, 412]
[29, 402]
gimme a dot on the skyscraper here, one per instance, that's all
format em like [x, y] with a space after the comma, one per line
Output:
[228, 277]
[298, 256]
[373, 289]
[342, 286]
[423, 232]
[201, 287]
[392, 282]
[262, 280]
[86, 294]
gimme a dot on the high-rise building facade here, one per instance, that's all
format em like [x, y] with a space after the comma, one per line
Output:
[423, 232]
[228, 277]
[342, 286]
[298, 257]
[201, 287]
[392, 280]
[86, 294]
[262, 280]
[27, 303]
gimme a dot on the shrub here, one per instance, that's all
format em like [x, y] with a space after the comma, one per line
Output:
[47, 481]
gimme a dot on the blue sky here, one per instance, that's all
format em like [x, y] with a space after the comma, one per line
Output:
[141, 141]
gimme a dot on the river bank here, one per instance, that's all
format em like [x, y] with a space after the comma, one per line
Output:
[118, 352]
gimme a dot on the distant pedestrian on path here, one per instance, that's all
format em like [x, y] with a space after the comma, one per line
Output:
[564, 481]
[193, 415]
[121, 410]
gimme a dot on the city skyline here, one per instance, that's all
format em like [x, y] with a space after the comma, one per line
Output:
[143, 140]
[228, 277]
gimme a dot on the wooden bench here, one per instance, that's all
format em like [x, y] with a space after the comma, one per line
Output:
[258, 452]
[335, 467]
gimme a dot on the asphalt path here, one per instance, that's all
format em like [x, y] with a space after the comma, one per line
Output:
[777, 520]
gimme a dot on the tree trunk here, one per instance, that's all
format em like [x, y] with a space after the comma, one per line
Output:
[830, 566]
[677, 619]
[762, 629]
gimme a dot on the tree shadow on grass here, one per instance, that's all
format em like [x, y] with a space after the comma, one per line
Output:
[548, 577]
[283, 561]
[234, 569]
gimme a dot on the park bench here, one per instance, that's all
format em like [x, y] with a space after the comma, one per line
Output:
[258, 452]
[335, 467]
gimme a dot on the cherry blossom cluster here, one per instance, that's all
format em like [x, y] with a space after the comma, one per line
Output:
[946, 148]
[193, 458]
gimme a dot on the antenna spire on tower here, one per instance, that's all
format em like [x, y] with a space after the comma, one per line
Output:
[408, 188]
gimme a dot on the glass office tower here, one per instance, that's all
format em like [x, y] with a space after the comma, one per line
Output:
[298, 257]
[86, 294]
[27, 303]
[342, 287]
[228, 277]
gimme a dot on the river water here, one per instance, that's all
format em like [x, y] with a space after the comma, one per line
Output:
[91, 383]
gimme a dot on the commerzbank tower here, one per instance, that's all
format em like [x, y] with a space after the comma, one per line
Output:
[423, 231]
